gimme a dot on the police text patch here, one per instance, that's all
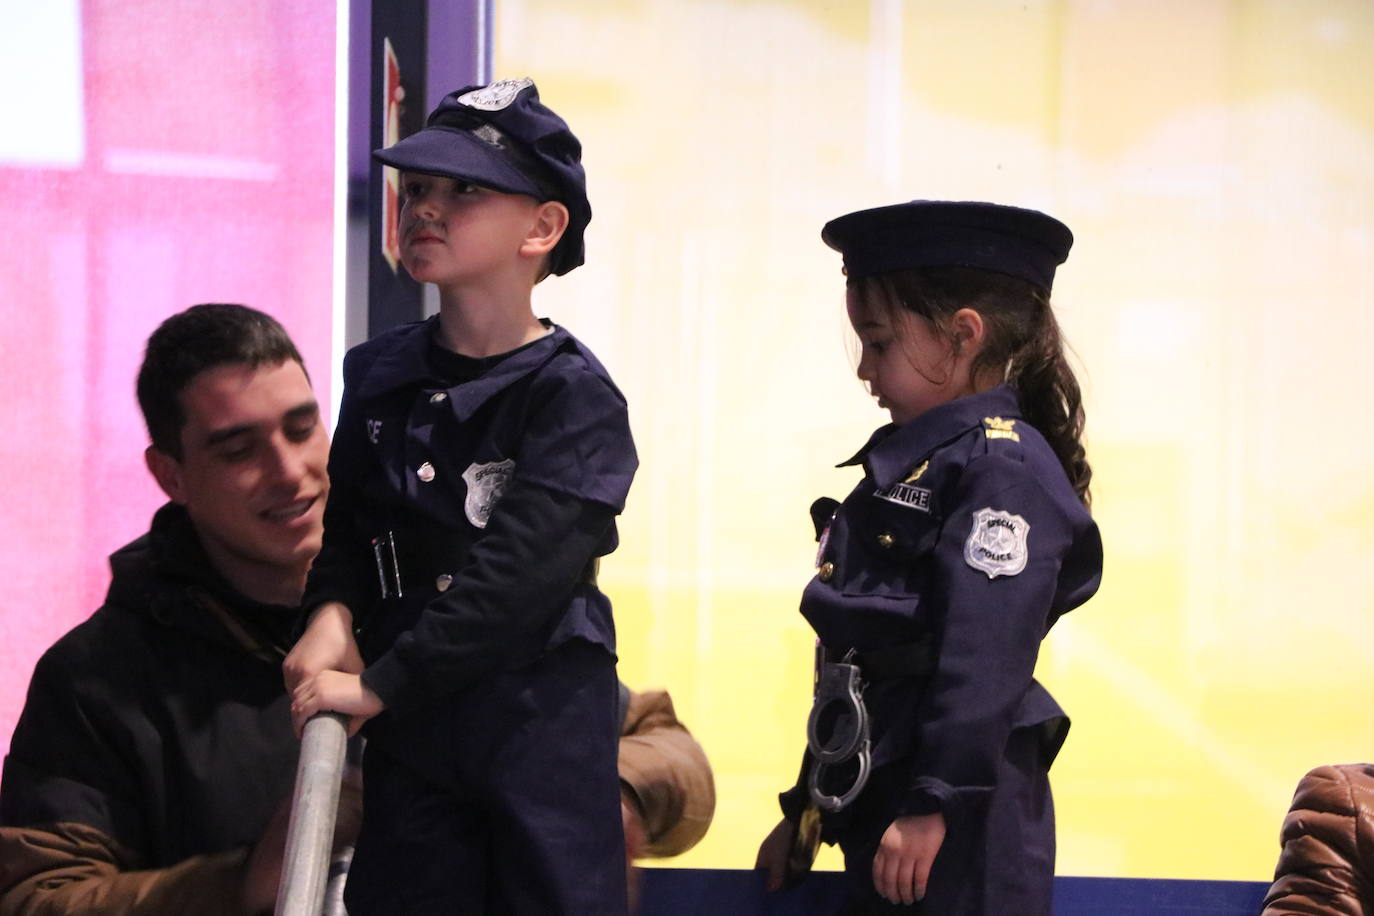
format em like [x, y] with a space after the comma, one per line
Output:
[997, 545]
[486, 483]
[904, 494]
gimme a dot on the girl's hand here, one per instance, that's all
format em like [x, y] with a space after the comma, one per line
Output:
[901, 867]
[326, 645]
[334, 691]
[773, 853]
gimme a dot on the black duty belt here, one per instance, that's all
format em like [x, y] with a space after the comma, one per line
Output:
[910, 659]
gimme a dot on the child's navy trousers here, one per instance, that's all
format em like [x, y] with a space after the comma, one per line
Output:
[527, 821]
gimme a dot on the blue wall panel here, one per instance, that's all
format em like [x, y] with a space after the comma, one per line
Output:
[711, 892]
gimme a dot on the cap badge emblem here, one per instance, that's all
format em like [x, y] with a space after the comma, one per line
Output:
[497, 96]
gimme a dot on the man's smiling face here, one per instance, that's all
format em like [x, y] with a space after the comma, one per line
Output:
[252, 474]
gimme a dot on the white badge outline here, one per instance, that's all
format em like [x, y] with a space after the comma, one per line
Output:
[485, 482]
[497, 96]
[992, 552]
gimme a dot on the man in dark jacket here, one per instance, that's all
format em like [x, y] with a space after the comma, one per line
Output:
[151, 766]
[150, 769]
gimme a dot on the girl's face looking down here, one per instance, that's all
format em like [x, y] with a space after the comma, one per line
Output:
[907, 363]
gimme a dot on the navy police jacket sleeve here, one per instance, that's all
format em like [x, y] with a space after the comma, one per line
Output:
[578, 441]
[518, 576]
[994, 618]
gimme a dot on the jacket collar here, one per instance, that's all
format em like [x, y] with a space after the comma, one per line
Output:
[407, 362]
[892, 450]
[167, 575]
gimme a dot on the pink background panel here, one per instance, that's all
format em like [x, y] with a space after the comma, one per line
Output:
[207, 176]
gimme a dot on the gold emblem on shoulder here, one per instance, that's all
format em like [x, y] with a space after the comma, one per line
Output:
[997, 428]
[916, 474]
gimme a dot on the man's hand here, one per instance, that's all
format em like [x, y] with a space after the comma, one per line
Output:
[262, 869]
[773, 853]
[326, 645]
[334, 691]
[636, 837]
[350, 813]
[901, 867]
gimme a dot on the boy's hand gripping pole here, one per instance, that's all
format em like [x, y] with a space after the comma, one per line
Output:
[314, 806]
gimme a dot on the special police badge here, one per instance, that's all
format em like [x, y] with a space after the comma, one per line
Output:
[997, 545]
[486, 483]
[496, 96]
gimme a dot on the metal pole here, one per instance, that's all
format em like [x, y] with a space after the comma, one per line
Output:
[314, 806]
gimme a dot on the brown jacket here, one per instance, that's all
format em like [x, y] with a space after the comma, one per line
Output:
[1327, 863]
[665, 772]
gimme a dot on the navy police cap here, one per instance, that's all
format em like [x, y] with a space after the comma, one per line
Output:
[502, 137]
[940, 233]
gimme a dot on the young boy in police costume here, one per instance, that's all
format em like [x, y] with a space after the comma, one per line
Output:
[479, 462]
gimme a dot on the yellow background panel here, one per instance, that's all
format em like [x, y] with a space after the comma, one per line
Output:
[1216, 163]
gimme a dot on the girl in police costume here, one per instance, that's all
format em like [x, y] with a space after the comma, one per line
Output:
[930, 742]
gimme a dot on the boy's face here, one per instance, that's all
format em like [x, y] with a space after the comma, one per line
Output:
[454, 233]
[252, 475]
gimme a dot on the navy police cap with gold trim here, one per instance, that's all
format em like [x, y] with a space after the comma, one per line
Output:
[941, 233]
[502, 137]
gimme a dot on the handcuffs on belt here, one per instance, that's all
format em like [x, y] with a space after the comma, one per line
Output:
[837, 730]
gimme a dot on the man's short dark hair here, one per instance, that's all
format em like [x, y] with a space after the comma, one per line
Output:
[185, 345]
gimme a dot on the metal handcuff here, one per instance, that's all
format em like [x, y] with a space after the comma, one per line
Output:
[839, 696]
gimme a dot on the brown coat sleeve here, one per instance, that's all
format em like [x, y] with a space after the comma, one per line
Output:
[70, 869]
[667, 774]
[1325, 868]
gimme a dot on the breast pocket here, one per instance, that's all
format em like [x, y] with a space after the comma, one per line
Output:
[891, 545]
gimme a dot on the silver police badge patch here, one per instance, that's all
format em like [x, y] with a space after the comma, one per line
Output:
[486, 483]
[496, 96]
[997, 545]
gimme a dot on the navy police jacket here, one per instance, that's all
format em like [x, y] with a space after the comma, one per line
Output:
[964, 532]
[469, 501]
